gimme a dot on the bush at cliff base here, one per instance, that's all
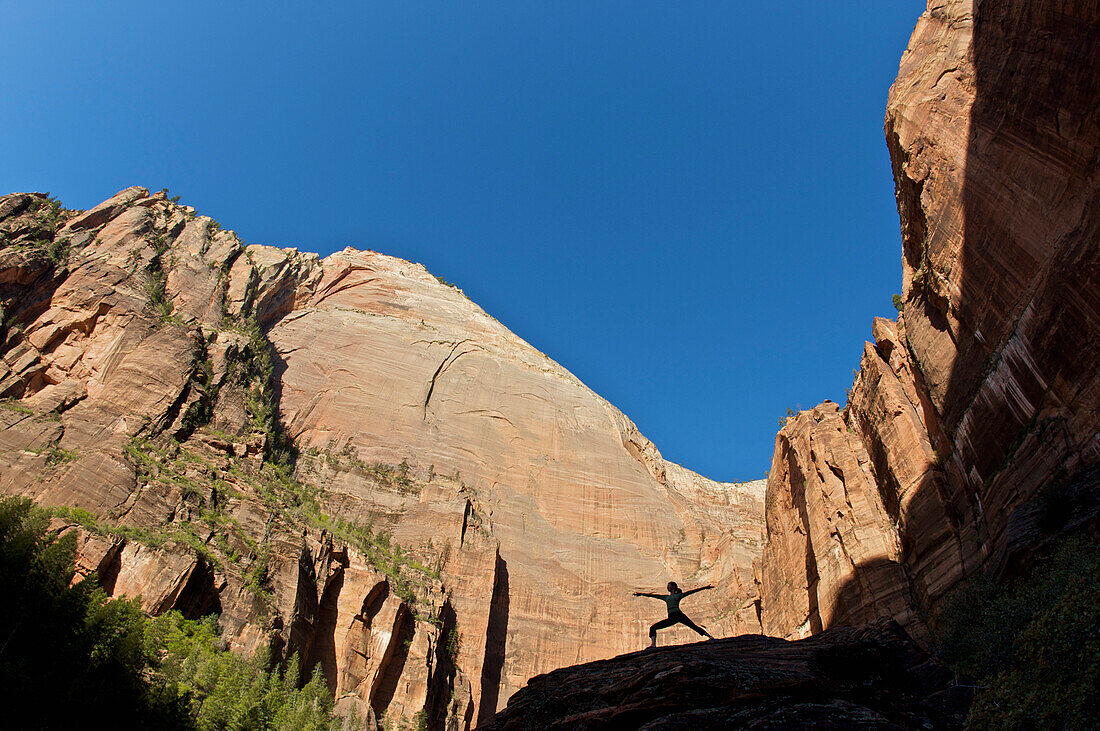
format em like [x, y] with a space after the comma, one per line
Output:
[1031, 646]
[69, 655]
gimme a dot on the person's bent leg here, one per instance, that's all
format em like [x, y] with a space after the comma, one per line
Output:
[699, 630]
[656, 626]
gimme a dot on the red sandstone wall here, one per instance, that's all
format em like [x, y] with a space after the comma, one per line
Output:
[985, 391]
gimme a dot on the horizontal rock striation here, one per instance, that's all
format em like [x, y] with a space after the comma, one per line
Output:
[985, 391]
[345, 458]
[871, 676]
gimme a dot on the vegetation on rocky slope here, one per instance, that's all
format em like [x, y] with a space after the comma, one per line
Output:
[211, 491]
[68, 652]
[207, 525]
[1032, 646]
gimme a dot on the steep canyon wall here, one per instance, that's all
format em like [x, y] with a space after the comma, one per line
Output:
[345, 458]
[984, 392]
[348, 460]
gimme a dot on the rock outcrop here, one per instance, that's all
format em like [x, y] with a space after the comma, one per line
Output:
[345, 458]
[985, 391]
[871, 676]
[353, 464]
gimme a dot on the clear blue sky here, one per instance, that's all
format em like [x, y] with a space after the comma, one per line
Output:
[689, 205]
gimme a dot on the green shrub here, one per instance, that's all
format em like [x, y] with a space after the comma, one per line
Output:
[55, 455]
[13, 404]
[1031, 646]
[157, 279]
[70, 653]
[256, 373]
[223, 689]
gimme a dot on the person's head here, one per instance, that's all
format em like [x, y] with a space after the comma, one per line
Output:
[672, 587]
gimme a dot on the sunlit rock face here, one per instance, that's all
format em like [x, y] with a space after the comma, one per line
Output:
[154, 368]
[456, 513]
[825, 519]
[381, 359]
[985, 390]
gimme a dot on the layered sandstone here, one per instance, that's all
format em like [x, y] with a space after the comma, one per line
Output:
[351, 462]
[346, 458]
[985, 390]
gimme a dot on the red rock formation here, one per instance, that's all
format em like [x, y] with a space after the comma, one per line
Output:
[463, 513]
[985, 391]
[826, 523]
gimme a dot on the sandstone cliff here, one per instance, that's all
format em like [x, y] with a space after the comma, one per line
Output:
[345, 458]
[985, 391]
[351, 462]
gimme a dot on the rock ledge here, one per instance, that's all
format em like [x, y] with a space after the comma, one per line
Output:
[870, 676]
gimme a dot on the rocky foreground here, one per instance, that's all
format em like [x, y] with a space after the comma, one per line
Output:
[872, 676]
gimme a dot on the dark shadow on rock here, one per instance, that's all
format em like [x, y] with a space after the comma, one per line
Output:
[303, 615]
[323, 647]
[1030, 233]
[393, 662]
[1030, 257]
[866, 595]
[1017, 301]
[443, 675]
[496, 639]
[109, 568]
[285, 446]
[199, 595]
[1065, 507]
[871, 676]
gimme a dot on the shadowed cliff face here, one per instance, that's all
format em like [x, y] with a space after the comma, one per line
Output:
[350, 459]
[985, 391]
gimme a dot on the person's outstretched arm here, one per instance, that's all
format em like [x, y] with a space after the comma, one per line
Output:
[654, 596]
[701, 588]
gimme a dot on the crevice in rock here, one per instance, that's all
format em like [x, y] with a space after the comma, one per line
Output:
[304, 612]
[251, 290]
[337, 285]
[496, 640]
[109, 567]
[798, 496]
[441, 683]
[838, 473]
[198, 595]
[323, 647]
[393, 661]
[450, 359]
[468, 715]
[465, 523]
[651, 463]
[373, 602]
[354, 662]
[914, 226]
[886, 483]
[281, 444]
[177, 406]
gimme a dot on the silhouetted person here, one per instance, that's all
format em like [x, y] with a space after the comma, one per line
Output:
[675, 616]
